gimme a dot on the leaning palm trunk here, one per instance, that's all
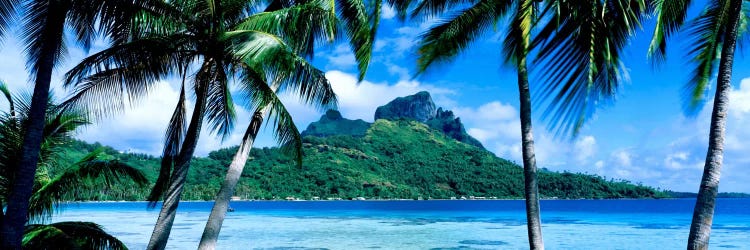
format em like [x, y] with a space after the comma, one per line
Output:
[221, 204]
[531, 187]
[163, 226]
[18, 202]
[700, 228]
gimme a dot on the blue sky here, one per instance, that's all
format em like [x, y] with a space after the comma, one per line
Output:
[644, 136]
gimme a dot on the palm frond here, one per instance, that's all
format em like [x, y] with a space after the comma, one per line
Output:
[430, 8]
[516, 45]
[265, 100]
[172, 142]
[670, 16]
[301, 26]
[69, 235]
[43, 30]
[104, 80]
[68, 186]
[443, 42]
[354, 16]
[8, 10]
[220, 106]
[706, 34]
[264, 53]
[6, 93]
[578, 60]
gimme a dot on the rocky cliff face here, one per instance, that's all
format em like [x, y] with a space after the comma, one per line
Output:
[332, 123]
[421, 108]
[451, 126]
[416, 107]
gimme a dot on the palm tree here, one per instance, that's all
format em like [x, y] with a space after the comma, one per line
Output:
[576, 47]
[44, 24]
[53, 183]
[714, 38]
[230, 42]
[266, 103]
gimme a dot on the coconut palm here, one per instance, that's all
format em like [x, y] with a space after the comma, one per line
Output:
[54, 183]
[222, 41]
[575, 47]
[267, 104]
[45, 23]
[714, 34]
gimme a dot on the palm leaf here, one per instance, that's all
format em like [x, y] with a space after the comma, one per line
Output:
[102, 81]
[670, 16]
[220, 106]
[443, 42]
[67, 185]
[706, 33]
[264, 53]
[9, 98]
[69, 235]
[43, 30]
[300, 25]
[7, 14]
[354, 15]
[265, 100]
[578, 58]
[172, 142]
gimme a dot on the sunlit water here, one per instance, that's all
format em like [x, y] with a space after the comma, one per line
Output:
[497, 224]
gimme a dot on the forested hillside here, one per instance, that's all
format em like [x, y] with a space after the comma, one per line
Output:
[395, 159]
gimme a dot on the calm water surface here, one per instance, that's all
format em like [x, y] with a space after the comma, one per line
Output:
[495, 224]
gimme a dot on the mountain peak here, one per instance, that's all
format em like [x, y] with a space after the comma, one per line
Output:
[418, 107]
[333, 115]
[332, 123]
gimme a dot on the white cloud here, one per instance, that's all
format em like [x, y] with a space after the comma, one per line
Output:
[497, 126]
[388, 12]
[340, 58]
[141, 127]
[622, 158]
[585, 148]
[359, 100]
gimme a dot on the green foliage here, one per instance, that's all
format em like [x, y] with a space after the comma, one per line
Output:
[61, 176]
[395, 159]
[69, 235]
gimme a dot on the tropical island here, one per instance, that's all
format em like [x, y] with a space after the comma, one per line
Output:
[413, 150]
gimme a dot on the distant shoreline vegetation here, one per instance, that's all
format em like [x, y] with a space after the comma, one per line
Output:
[399, 159]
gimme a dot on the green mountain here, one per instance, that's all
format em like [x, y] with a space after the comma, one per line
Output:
[333, 124]
[394, 159]
[418, 107]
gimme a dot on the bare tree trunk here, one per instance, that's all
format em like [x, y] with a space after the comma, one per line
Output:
[163, 226]
[16, 214]
[703, 214]
[221, 204]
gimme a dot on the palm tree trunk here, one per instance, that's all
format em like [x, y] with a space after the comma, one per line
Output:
[700, 228]
[531, 186]
[221, 204]
[522, 22]
[163, 226]
[16, 214]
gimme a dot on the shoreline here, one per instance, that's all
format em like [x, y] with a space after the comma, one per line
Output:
[389, 200]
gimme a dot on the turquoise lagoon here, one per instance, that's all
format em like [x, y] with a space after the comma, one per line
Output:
[460, 224]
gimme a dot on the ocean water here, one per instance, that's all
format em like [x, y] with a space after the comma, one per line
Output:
[472, 224]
